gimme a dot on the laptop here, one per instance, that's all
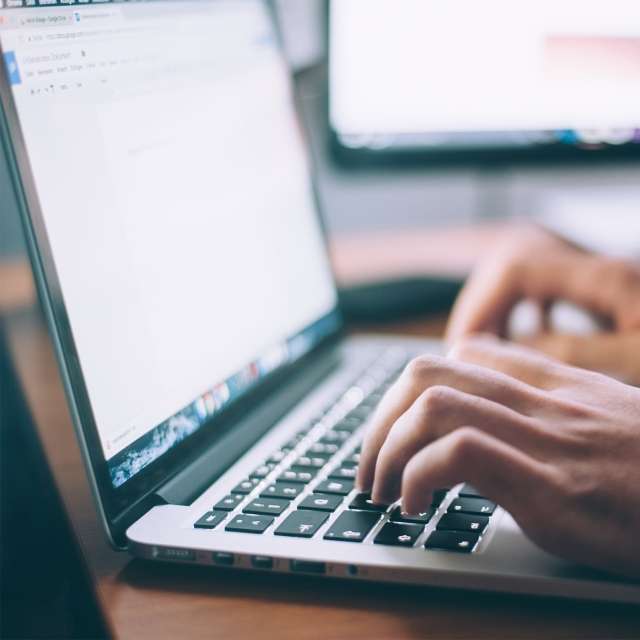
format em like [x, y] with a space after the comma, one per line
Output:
[176, 241]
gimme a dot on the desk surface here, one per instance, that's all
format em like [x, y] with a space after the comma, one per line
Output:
[144, 600]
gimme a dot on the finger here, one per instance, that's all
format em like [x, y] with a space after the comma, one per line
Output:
[436, 413]
[511, 359]
[485, 301]
[499, 471]
[428, 371]
[613, 353]
[562, 273]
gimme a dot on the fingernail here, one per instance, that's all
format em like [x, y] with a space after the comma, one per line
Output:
[378, 498]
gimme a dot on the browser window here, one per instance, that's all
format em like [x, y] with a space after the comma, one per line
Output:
[176, 197]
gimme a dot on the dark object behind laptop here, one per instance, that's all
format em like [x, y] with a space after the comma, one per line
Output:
[397, 300]
[46, 591]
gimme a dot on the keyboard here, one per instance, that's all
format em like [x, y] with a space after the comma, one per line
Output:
[309, 482]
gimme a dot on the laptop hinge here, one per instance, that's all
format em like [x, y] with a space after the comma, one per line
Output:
[197, 476]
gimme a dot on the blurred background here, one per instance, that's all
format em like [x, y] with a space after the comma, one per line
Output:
[432, 194]
[367, 196]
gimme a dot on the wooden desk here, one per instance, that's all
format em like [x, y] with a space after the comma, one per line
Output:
[143, 600]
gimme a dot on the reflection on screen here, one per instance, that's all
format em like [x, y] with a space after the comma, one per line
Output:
[175, 193]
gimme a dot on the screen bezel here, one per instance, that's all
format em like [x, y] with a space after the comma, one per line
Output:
[555, 152]
[120, 506]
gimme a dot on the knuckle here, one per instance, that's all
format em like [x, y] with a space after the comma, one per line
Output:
[436, 400]
[423, 368]
[581, 490]
[464, 446]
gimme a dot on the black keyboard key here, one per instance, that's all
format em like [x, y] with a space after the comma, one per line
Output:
[322, 455]
[302, 524]
[210, 520]
[479, 506]
[357, 416]
[462, 522]
[353, 459]
[363, 502]
[287, 490]
[267, 506]
[352, 526]
[246, 486]
[320, 449]
[350, 423]
[249, 524]
[417, 518]
[438, 496]
[298, 438]
[344, 473]
[293, 443]
[335, 437]
[452, 541]
[321, 502]
[229, 503]
[399, 535]
[262, 471]
[301, 475]
[374, 398]
[468, 491]
[311, 462]
[337, 487]
[278, 456]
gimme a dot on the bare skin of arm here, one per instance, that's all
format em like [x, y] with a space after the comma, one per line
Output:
[531, 263]
[547, 441]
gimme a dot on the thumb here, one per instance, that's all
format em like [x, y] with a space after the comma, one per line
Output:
[616, 354]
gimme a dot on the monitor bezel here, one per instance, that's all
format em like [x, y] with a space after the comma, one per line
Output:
[119, 507]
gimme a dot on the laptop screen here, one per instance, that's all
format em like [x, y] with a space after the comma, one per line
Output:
[172, 181]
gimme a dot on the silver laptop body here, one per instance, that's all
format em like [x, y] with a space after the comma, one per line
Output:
[176, 244]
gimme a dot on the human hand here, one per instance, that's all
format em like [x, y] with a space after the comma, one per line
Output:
[556, 446]
[531, 263]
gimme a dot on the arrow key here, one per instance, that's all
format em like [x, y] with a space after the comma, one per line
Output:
[352, 526]
[459, 541]
[248, 523]
[399, 535]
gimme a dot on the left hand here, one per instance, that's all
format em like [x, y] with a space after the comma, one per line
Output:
[556, 446]
[529, 263]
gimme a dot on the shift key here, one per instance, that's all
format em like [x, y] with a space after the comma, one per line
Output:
[352, 526]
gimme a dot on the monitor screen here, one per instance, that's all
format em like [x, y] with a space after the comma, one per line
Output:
[172, 181]
[494, 73]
